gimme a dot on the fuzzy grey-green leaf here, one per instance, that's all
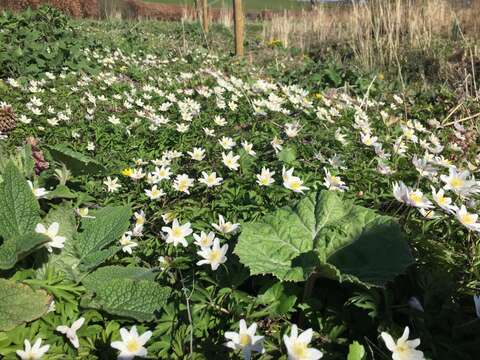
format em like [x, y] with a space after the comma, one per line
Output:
[16, 248]
[18, 206]
[20, 304]
[129, 292]
[107, 227]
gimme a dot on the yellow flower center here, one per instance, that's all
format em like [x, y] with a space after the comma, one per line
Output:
[334, 180]
[456, 183]
[265, 181]
[83, 212]
[182, 185]
[215, 256]
[133, 346]
[300, 350]
[177, 232]
[245, 340]
[467, 219]
[295, 185]
[416, 198]
[441, 200]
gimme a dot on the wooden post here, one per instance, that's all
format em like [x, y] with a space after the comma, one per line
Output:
[205, 18]
[239, 26]
[198, 10]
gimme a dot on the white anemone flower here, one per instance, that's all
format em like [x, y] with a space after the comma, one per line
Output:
[210, 179]
[403, 349]
[127, 243]
[162, 173]
[292, 182]
[214, 255]
[182, 183]
[56, 241]
[467, 219]
[245, 340]
[112, 184]
[368, 139]
[225, 227]
[154, 193]
[39, 192]
[265, 178]
[459, 183]
[410, 197]
[177, 233]
[231, 161]
[137, 174]
[442, 201]
[227, 142]
[248, 147]
[333, 182]
[71, 332]
[34, 352]
[204, 240]
[198, 154]
[131, 344]
[297, 345]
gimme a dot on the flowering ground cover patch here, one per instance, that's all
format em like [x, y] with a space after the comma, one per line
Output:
[176, 204]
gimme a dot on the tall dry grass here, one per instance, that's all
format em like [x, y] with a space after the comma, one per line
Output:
[378, 30]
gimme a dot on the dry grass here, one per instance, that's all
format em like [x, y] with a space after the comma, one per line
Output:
[377, 31]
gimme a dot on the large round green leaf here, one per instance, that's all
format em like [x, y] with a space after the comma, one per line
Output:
[329, 235]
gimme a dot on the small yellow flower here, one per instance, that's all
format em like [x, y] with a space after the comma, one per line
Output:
[318, 95]
[127, 172]
[381, 76]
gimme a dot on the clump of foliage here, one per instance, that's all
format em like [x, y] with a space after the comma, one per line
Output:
[35, 42]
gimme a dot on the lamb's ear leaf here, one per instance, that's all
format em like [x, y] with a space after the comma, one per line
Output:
[93, 244]
[16, 248]
[77, 163]
[126, 291]
[19, 209]
[20, 304]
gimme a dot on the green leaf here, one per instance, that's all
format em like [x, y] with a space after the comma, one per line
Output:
[327, 234]
[288, 155]
[20, 304]
[61, 191]
[277, 299]
[356, 351]
[107, 227]
[65, 216]
[76, 162]
[93, 260]
[104, 274]
[16, 248]
[66, 260]
[18, 205]
[129, 292]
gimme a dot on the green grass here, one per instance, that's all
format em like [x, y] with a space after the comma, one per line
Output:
[249, 4]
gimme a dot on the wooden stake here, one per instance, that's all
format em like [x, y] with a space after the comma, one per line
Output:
[205, 18]
[239, 26]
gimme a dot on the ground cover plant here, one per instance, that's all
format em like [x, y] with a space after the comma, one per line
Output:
[168, 202]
